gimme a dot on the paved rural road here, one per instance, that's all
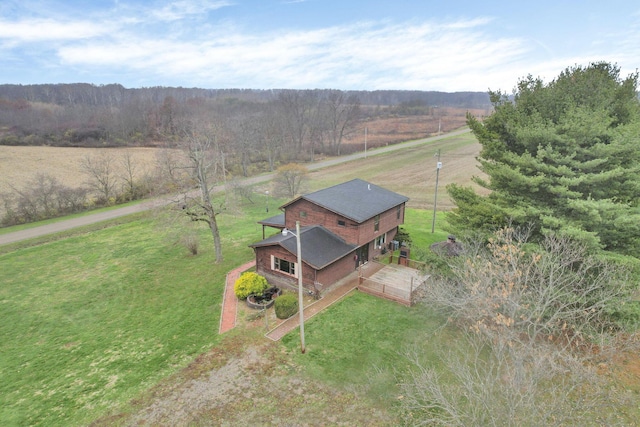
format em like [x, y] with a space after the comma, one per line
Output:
[68, 224]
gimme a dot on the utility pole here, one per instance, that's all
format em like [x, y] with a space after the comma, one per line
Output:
[365, 142]
[300, 299]
[435, 197]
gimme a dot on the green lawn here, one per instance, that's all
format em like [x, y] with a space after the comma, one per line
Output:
[93, 319]
[5, 230]
[90, 321]
[362, 340]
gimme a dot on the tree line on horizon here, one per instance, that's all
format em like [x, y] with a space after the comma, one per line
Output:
[111, 115]
[245, 131]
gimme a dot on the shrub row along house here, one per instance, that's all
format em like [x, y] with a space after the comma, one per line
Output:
[341, 227]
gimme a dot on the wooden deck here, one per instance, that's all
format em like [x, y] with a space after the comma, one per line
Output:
[392, 281]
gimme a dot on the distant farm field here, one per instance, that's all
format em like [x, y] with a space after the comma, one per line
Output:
[19, 165]
[413, 171]
[410, 171]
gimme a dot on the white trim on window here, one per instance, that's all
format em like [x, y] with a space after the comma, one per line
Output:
[380, 241]
[277, 264]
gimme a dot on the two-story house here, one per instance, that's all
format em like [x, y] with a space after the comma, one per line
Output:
[341, 227]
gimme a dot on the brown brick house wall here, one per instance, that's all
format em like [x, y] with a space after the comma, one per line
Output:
[353, 233]
[310, 276]
[336, 271]
[389, 222]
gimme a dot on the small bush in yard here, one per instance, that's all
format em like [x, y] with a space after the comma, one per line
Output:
[286, 305]
[250, 283]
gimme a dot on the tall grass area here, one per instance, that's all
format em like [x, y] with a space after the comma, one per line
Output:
[91, 320]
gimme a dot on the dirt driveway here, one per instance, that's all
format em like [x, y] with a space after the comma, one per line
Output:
[248, 380]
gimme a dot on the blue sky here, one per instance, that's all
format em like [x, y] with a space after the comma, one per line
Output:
[342, 44]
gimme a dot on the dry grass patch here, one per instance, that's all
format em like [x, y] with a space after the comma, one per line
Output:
[412, 171]
[19, 165]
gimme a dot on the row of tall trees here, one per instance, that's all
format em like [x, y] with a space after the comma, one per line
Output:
[110, 115]
[115, 95]
[293, 124]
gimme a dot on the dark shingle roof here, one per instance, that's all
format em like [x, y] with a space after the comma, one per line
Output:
[319, 246]
[355, 199]
[274, 221]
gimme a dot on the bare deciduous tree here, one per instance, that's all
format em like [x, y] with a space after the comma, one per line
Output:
[42, 197]
[129, 172]
[479, 383]
[342, 113]
[535, 327]
[246, 138]
[193, 176]
[289, 180]
[558, 292]
[274, 136]
[297, 107]
[101, 173]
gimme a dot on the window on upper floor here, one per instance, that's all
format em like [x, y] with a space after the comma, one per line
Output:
[398, 211]
[376, 223]
[303, 214]
[341, 223]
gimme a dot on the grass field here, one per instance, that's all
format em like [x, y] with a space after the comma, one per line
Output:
[119, 310]
[91, 320]
[19, 165]
[100, 322]
[412, 171]
[340, 342]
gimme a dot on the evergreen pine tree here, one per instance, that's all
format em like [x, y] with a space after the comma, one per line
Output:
[563, 157]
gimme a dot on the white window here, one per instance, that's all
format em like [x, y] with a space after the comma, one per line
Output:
[283, 265]
[380, 241]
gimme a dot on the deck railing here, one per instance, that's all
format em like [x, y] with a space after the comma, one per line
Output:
[405, 294]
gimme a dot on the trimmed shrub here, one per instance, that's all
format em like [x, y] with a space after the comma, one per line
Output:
[286, 306]
[250, 283]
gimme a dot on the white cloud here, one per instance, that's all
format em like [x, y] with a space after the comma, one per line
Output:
[380, 56]
[173, 45]
[177, 10]
[38, 30]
